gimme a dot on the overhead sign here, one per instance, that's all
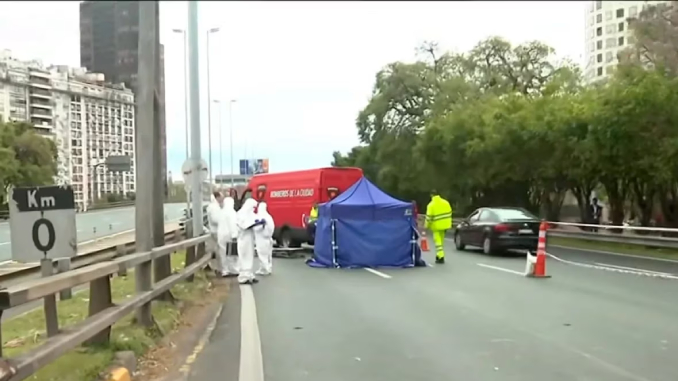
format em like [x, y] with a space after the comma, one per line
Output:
[253, 167]
[189, 168]
[118, 163]
[42, 223]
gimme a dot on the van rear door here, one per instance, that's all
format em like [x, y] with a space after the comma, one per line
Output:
[333, 181]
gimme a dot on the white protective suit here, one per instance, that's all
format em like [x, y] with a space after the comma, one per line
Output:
[213, 217]
[226, 233]
[245, 219]
[263, 238]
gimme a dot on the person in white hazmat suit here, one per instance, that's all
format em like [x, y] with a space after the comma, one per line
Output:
[214, 215]
[226, 233]
[263, 239]
[246, 220]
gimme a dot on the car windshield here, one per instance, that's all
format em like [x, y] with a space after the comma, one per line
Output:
[513, 214]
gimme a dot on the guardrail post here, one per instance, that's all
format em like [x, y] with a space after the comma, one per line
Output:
[99, 299]
[51, 317]
[120, 251]
[190, 251]
[64, 265]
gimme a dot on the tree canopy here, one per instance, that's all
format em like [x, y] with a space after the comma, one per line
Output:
[26, 158]
[512, 125]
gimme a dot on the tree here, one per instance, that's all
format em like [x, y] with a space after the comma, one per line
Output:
[26, 158]
[655, 32]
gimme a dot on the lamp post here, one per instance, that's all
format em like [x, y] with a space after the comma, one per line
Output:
[209, 105]
[230, 132]
[221, 158]
[185, 37]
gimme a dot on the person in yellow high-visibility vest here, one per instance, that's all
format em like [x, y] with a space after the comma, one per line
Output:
[438, 220]
[310, 225]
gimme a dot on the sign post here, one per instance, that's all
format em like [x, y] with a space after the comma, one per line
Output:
[42, 228]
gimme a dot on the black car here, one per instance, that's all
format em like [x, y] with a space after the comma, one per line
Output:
[498, 229]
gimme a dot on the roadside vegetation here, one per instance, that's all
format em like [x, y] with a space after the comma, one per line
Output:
[512, 125]
[27, 331]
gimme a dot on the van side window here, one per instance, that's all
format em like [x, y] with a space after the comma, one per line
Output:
[246, 195]
[261, 192]
[332, 192]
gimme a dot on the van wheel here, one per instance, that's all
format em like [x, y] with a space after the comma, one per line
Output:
[286, 239]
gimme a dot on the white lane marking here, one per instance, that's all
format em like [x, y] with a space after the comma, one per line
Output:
[632, 269]
[501, 269]
[612, 269]
[617, 254]
[251, 359]
[378, 273]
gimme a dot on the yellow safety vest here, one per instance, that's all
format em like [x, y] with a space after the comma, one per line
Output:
[313, 215]
[438, 214]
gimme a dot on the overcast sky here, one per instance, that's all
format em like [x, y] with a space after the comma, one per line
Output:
[300, 71]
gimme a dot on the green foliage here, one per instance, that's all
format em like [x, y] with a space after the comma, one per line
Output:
[509, 125]
[26, 158]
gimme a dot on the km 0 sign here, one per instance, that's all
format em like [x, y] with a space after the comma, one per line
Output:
[42, 223]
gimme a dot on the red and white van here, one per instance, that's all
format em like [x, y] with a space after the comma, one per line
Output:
[291, 195]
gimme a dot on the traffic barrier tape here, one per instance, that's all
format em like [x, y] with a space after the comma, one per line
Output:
[611, 269]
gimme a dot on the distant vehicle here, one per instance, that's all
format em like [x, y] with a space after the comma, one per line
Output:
[498, 229]
[290, 196]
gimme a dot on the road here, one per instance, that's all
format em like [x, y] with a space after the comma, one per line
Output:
[475, 318]
[94, 225]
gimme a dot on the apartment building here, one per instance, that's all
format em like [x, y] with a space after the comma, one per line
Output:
[109, 41]
[607, 34]
[88, 119]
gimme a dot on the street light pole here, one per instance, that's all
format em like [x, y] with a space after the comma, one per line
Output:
[209, 107]
[230, 140]
[221, 158]
[185, 37]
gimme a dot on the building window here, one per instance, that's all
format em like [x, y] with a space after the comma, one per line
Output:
[608, 57]
[610, 43]
[608, 15]
[621, 27]
[599, 5]
[633, 11]
[599, 58]
[599, 71]
[620, 13]
[599, 18]
[610, 28]
[599, 31]
[592, 47]
[621, 41]
[599, 45]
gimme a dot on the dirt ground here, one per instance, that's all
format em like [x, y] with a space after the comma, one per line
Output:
[164, 361]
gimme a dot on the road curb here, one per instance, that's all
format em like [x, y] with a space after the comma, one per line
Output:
[119, 374]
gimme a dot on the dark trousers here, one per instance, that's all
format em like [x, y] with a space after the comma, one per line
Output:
[310, 229]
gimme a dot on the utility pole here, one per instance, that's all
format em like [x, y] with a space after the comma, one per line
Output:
[230, 138]
[209, 107]
[162, 267]
[145, 135]
[194, 98]
[221, 156]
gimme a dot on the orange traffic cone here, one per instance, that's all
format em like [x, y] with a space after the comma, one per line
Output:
[536, 266]
[424, 242]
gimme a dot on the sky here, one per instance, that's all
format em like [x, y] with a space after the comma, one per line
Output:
[299, 72]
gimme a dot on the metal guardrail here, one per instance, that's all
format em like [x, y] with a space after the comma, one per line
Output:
[103, 313]
[81, 260]
[628, 235]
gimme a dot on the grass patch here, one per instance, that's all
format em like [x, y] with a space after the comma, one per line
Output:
[615, 247]
[86, 363]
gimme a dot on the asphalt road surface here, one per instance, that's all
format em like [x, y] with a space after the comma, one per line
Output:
[475, 318]
[95, 224]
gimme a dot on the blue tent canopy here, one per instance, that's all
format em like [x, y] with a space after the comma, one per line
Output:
[365, 227]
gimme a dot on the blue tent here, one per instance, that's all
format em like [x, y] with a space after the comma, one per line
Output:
[365, 227]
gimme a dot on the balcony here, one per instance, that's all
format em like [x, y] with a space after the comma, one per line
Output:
[40, 113]
[41, 104]
[40, 93]
[43, 128]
